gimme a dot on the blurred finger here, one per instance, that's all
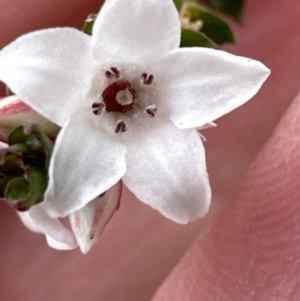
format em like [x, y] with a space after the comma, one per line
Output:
[251, 251]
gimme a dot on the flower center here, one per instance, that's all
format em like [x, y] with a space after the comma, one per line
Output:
[119, 97]
[126, 94]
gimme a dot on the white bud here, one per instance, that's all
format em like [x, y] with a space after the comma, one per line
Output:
[13, 113]
[89, 222]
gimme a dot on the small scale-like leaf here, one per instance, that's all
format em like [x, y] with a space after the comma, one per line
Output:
[178, 4]
[233, 8]
[11, 165]
[38, 179]
[17, 190]
[19, 148]
[19, 135]
[44, 140]
[191, 38]
[213, 27]
[88, 24]
[23, 194]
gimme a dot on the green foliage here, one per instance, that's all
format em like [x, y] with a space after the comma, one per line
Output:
[214, 27]
[88, 24]
[178, 4]
[233, 8]
[22, 193]
[191, 38]
[24, 167]
[16, 192]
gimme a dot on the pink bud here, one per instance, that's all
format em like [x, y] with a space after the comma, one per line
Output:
[13, 113]
[89, 222]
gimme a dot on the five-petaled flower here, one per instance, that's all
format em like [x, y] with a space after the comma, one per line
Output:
[129, 102]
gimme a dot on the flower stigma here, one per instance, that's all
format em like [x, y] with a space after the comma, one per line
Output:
[119, 97]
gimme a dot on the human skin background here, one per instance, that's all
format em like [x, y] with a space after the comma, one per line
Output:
[248, 246]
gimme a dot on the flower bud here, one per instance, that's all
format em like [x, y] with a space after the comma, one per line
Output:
[13, 113]
[89, 222]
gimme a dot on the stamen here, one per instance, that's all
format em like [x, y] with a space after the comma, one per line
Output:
[147, 80]
[151, 111]
[97, 106]
[121, 127]
[115, 73]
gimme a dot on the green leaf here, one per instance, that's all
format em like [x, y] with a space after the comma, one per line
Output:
[24, 167]
[46, 143]
[17, 190]
[11, 165]
[213, 27]
[38, 179]
[35, 140]
[178, 4]
[88, 24]
[233, 8]
[191, 38]
[19, 135]
[19, 148]
[22, 193]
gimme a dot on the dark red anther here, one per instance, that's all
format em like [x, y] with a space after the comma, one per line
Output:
[115, 73]
[110, 97]
[147, 80]
[151, 111]
[97, 107]
[121, 127]
[108, 74]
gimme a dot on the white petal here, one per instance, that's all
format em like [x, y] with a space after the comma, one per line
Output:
[166, 169]
[57, 244]
[14, 112]
[37, 220]
[135, 31]
[89, 222]
[28, 222]
[84, 164]
[50, 70]
[200, 85]
[3, 145]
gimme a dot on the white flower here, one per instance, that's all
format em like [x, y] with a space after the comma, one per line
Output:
[128, 100]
